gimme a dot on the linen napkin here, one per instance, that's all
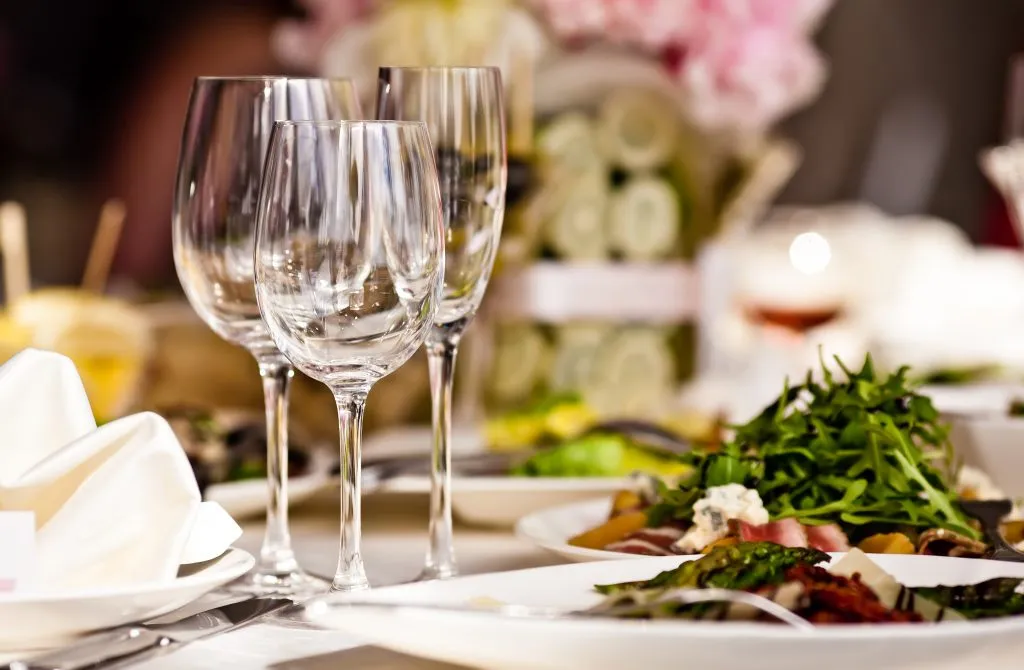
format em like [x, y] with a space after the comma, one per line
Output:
[114, 506]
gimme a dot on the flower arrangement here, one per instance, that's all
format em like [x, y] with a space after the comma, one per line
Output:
[741, 64]
[651, 128]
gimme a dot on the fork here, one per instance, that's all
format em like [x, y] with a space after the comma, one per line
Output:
[991, 514]
[676, 596]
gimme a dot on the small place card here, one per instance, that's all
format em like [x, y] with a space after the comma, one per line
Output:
[17, 550]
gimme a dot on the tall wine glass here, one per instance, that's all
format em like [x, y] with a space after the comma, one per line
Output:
[349, 269]
[464, 109]
[221, 163]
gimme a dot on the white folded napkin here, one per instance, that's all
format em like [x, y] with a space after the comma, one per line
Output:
[114, 506]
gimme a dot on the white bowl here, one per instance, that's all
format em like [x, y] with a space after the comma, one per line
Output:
[993, 443]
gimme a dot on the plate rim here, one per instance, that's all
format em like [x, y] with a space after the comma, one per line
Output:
[748, 630]
[205, 576]
[508, 484]
[564, 548]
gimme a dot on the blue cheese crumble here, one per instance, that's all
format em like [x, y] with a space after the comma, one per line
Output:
[712, 513]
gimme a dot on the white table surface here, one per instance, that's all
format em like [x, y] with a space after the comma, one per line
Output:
[393, 549]
[394, 545]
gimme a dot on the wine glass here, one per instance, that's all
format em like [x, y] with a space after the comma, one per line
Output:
[220, 166]
[349, 269]
[464, 109]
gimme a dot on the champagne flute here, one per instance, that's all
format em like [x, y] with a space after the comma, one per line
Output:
[220, 166]
[349, 269]
[464, 109]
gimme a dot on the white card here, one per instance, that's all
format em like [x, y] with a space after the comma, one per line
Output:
[17, 550]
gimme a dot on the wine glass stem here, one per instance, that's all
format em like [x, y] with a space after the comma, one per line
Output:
[350, 575]
[441, 552]
[276, 556]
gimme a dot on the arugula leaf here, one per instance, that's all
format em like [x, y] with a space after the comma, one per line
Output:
[857, 449]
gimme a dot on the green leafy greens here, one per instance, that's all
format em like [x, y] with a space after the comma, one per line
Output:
[862, 452]
[599, 455]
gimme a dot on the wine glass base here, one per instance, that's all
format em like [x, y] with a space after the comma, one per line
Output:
[296, 585]
[433, 574]
[354, 586]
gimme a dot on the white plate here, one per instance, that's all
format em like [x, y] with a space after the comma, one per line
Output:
[972, 399]
[247, 498]
[30, 621]
[486, 640]
[496, 502]
[502, 501]
[552, 528]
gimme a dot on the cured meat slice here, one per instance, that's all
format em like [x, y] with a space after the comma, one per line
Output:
[787, 532]
[648, 542]
[827, 538]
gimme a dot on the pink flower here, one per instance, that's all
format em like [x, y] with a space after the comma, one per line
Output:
[800, 16]
[660, 24]
[652, 24]
[748, 78]
[302, 44]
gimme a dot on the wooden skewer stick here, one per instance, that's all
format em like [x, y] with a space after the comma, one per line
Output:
[14, 250]
[104, 246]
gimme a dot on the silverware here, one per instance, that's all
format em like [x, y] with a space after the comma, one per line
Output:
[121, 647]
[379, 471]
[644, 433]
[991, 514]
[676, 596]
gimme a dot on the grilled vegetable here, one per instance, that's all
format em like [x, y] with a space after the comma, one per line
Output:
[610, 531]
[741, 566]
[993, 598]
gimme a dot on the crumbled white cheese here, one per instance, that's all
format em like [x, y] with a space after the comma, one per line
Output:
[645, 486]
[712, 513]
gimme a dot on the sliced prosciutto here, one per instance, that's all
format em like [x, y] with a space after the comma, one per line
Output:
[791, 533]
[648, 542]
[787, 532]
[827, 538]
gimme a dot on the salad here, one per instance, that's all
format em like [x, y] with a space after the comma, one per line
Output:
[560, 436]
[600, 455]
[230, 445]
[859, 461]
[850, 591]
